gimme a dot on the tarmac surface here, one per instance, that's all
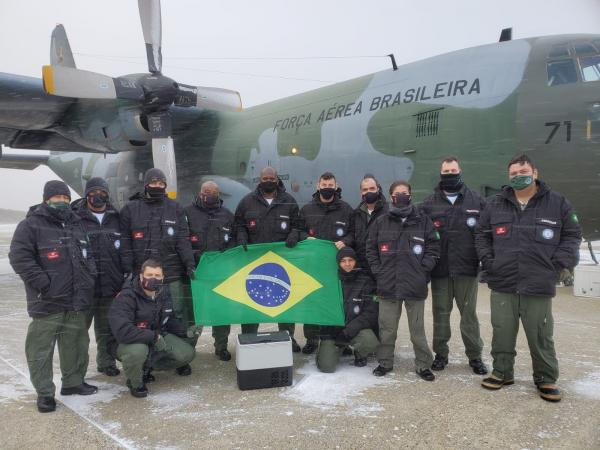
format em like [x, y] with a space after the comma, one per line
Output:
[348, 409]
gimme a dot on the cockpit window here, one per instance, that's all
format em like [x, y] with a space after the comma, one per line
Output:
[560, 51]
[561, 72]
[590, 68]
[585, 49]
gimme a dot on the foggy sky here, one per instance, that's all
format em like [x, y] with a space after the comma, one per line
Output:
[195, 30]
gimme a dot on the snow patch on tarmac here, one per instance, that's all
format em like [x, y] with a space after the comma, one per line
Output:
[12, 386]
[341, 388]
[589, 386]
[88, 405]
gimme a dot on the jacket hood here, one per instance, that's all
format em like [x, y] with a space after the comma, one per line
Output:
[508, 192]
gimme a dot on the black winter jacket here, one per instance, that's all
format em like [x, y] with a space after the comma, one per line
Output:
[402, 254]
[329, 221]
[137, 319]
[456, 226]
[257, 222]
[523, 251]
[360, 309]
[105, 242]
[157, 229]
[360, 223]
[211, 229]
[53, 258]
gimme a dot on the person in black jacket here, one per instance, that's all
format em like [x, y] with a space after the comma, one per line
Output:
[454, 210]
[373, 204]
[154, 226]
[402, 249]
[361, 314]
[269, 214]
[327, 217]
[51, 254]
[147, 334]
[528, 239]
[211, 229]
[101, 222]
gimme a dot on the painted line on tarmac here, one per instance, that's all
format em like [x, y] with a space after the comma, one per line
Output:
[95, 424]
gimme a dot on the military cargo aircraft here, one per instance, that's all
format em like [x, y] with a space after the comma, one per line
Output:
[484, 104]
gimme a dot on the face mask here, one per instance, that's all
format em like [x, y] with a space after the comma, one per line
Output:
[268, 187]
[152, 284]
[371, 197]
[400, 200]
[97, 201]
[520, 182]
[59, 205]
[327, 193]
[450, 182]
[210, 200]
[156, 192]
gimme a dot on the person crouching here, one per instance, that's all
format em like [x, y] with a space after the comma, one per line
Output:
[361, 313]
[147, 333]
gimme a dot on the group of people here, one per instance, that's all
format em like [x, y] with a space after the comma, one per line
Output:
[130, 272]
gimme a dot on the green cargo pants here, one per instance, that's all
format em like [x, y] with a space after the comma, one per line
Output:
[464, 290]
[328, 355]
[536, 317]
[183, 307]
[99, 313]
[311, 332]
[133, 357]
[69, 330]
[389, 316]
[220, 334]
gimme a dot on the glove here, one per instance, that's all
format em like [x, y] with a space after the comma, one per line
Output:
[292, 240]
[194, 330]
[244, 244]
[341, 340]
[191, 273]
[564, 275]
[159, 344]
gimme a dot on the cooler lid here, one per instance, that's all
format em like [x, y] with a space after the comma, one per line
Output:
[262, 338]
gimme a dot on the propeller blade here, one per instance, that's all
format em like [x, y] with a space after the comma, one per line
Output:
[152, 29]
[65, 81]
[216, 99]
[60, 50]
[163, 149]
[69, 82]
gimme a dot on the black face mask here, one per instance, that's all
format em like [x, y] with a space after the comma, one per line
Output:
[371, 197]
[400, 200]
[450, 182]
[327, 193]
[210, 200]
[152, 284]
[268, 187]
[97, 201]
[155, 192]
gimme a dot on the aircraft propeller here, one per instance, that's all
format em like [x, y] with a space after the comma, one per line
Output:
[155, 92]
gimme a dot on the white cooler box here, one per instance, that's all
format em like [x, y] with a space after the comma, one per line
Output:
[264, 360]
[587, 281]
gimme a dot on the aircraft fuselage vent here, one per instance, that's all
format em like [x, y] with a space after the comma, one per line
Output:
[427, 123]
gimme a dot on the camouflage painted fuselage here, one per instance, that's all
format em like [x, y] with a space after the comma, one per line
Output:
[482, 104]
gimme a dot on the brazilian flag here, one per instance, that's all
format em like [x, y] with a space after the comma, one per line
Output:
[269, 283]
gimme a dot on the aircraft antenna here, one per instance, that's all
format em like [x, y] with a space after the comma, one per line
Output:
[394, 65]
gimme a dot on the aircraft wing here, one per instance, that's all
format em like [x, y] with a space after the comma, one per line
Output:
[23, 162]
[25, 106]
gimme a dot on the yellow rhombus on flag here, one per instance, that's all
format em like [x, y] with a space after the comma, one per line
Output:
[300, 285]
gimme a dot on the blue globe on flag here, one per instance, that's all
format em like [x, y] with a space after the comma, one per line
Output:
[268, 285]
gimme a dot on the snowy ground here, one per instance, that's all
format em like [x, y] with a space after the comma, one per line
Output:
[347, 409]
